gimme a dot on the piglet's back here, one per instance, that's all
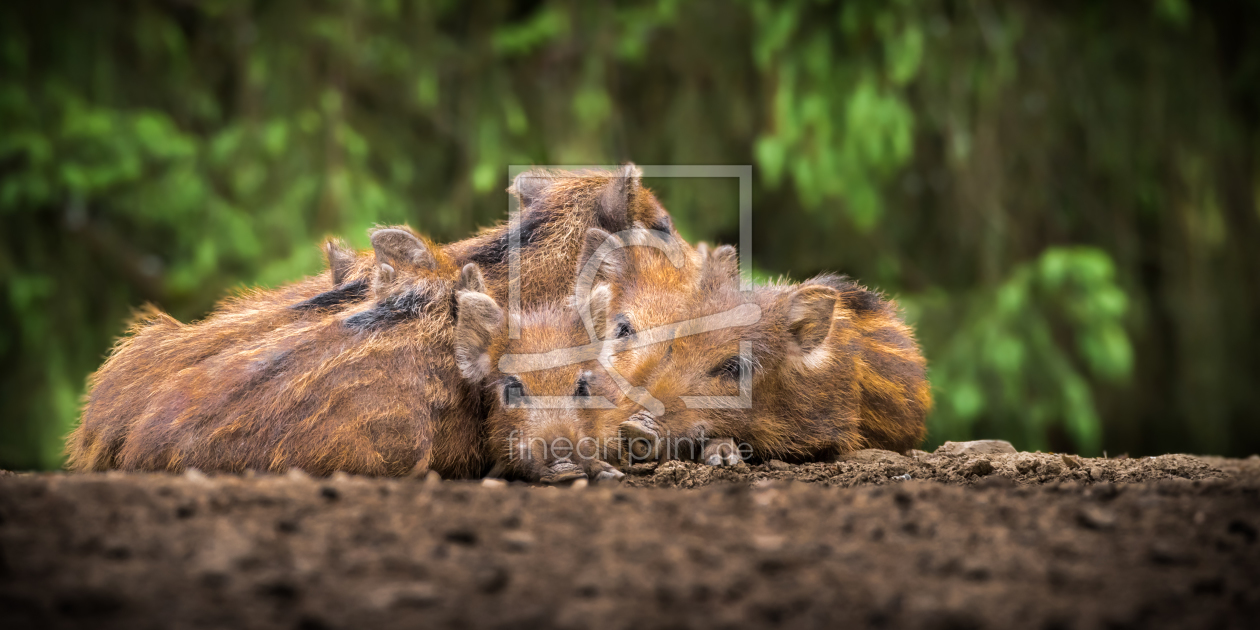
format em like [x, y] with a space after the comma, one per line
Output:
[156, 346]
[889, 370]
[344, 393]
[365, 389]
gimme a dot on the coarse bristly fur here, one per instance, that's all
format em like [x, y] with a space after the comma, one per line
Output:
[833, 366]
[557, 208]
[157, 346]
[373, 389]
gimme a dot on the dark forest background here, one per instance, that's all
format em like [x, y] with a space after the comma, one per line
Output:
[1064, 196]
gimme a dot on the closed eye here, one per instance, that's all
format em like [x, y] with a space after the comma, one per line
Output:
[583, 388]
[513, 389]
[622, 327]
[732, 368]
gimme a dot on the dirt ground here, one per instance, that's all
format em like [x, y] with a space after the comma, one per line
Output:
[968, 540]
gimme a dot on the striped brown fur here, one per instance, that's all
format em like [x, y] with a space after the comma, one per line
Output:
[358, 390]
[192, 365]
[156, 346]
[557, 209]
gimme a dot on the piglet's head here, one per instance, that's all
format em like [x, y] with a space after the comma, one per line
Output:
[781, 381]
[539, 389]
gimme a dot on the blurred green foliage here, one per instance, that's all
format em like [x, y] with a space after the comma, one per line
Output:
[1001, 359]
[1062, 196]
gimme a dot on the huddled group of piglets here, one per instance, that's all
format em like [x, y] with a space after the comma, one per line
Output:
[581, 337]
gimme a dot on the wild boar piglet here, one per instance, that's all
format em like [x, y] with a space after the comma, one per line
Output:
[791, 371]
[540, 389]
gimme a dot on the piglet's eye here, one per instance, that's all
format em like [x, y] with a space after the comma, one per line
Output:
[583, 388]
[512, 389]
[732, 368]
[624, 328]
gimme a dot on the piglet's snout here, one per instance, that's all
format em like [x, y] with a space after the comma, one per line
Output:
[641, 433]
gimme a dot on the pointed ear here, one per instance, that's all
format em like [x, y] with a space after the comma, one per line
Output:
[470, 279]
[810, 311]
[617, 197]
[601, 297]
[609, 249]
[340, 259]
[399, 250]
[719, 265]
[480, 320]
[530, 186]
[702, 250]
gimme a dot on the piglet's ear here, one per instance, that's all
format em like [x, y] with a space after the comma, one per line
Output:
[340, 259]
[470, 279]
[718, 265]
[600, 299]
[603, 260]
[810, 311]
[399, 250]
[480, 320]
[530, 186]
[616, 199]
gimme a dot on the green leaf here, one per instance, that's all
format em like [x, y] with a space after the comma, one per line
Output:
[905, 52]
[546, 25]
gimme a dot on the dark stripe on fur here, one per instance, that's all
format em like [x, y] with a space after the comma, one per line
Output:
[344, 294]
[856, 297]
[532, 224]
[394, 309]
